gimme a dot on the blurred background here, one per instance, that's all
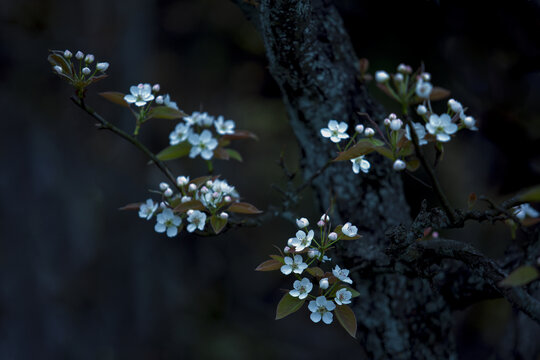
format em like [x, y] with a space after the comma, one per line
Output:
[82, 280]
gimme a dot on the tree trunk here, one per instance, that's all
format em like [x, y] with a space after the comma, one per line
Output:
[311, 58]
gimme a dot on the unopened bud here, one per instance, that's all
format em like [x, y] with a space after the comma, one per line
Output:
[58, 69]
[215, 194]
[469, 122]
[312, 253]
[320, 223]
[209, 183]
[189, 212]
[79, 55]
[182, 180]
[381, 76]
[86, 71]
[332, 236]
[204, 190]
[359, 128]
[426, 76]
[421, 110]
[159, 100]
[399, 165]
[325, 217]
[387, 122]
[435, 234]
[402, 68]
[168, 192]
[396, 124]
[455, 105]
[155, 88]
[323, 283]
[162, 205]
[228, 199]
[68, 54]
[185, 199]
[192, 187]
[286, 250]
[89, 59]
[398, 77]
[163, 186]
[224, 215]
[102, 66]
[369, 132]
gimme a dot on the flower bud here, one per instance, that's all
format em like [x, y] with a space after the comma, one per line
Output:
[79, 55]
[287, 250]
[159, 100]
[204, 190]
[192, 187]
[455, 105]
[369, 132]
[182, 180]
[224, 215]
[58, 69]
[290, 242]
[421, 110]
[68, 54]
[325, 218]
[359, 128]
[209, 183]
[89, 59]
[405, 69]
[398, 77]
[155, 88]
[215, 194]
[302, 223]
[185, 199]
[86, 71]
[168, 192]
[392, 116]
[381, 76]
[396, 124]
[320, 223]
[387, 122]
[469, 122]
[162, 205]
[189, 212]
[435, 234]
[399, 165]
[332, 236]
[228, 199]
[426, 76]
[323, 283]
[313, 253]
[102, 66]
[163, 186]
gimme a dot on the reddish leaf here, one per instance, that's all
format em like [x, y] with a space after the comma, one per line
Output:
[269, 265]
[530, 221]
[221, 153]
[217, 223]
[189, 205]
[241, 134]
[288, 305]
[439, 93]
[315, 272]
[243, 208]
[132, 206]
[278, 258]
[165, 112]
[346, 318]
[362, 147]
[114, 97]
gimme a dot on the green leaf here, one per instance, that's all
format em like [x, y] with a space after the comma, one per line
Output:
[288, 305]
[234, 154]
[189, 205]
[530, 195]
[243, 208]
[269, 265]
[315, 272]
[384, 151]
[175, 151]
[362, 147]
[342, 236]
[115, 97]
[346, 318]
[413, 164]
[278, 258]
[521, 276]
[56, 59]
[165, 112]
[217, 223]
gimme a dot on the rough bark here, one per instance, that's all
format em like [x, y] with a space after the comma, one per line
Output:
[311, 58]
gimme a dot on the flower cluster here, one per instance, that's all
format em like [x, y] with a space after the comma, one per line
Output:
[197, 203]
[77, 69]
[333, 286]
[202, 132]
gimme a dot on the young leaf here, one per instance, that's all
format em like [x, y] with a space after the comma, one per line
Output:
[132, 206]
[241, 134]
[269, 265]
[115, 97]
[174, 152]
[346, 318]
[530, 195]
[439, 93]
[243, 208]
[165, 112]
[520, 276]
[315, 272]
[362, 147]
[277, 258]
[221, 153]
[288, 305]
[217, 223]
[189, 205]
[234, 155]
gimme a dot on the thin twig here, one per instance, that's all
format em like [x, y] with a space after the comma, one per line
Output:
[313, 177]
[104, 124]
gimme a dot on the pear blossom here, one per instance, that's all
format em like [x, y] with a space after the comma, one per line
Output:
[441, 126]
[349, 230]
[140, 95]
[147, 209]
[302, 223]
[167, 221]
[224, 127]
[321, 309]
[396, 124]
[301, 288]
[168, 192]
[381, 76]
[224, 216]
[197, 219]
[325, 218]
[156, 88]
[295, 265]
[180, 133]
[203, 144]
[343, 296]
[399, 165]
[360, 163]
[420, 133]
[525, 210]
[335, 131]
[185, 199]
[302, 240]
[406, 69]
[423, 88]
[167, 102]
[342, 274]
[163, 186]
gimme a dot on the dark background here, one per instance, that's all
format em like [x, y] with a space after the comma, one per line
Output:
[82, 280]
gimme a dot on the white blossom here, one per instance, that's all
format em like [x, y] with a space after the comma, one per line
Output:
[381, 76]
[203, 144]
[321, 309]
[313, 253]
[224, 216]
[349, 229]
[196, 220]
[423, 89]
[167, 221]
[301, 288]
[441, 126]
[399, 165]
[224, 127]
[185, 199]
[180, 133]
[420, 133]
[302, 240]
[360, 163]
[163, 186]
[140, 95]
[524, 210]
[335, 131]
[295, 265]
[167, 102]
[302, 222]
[398, 77]
[342, 274]
[396, 124]
[168, 192]
[343, 296]
[147, 209]
[182, 180]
